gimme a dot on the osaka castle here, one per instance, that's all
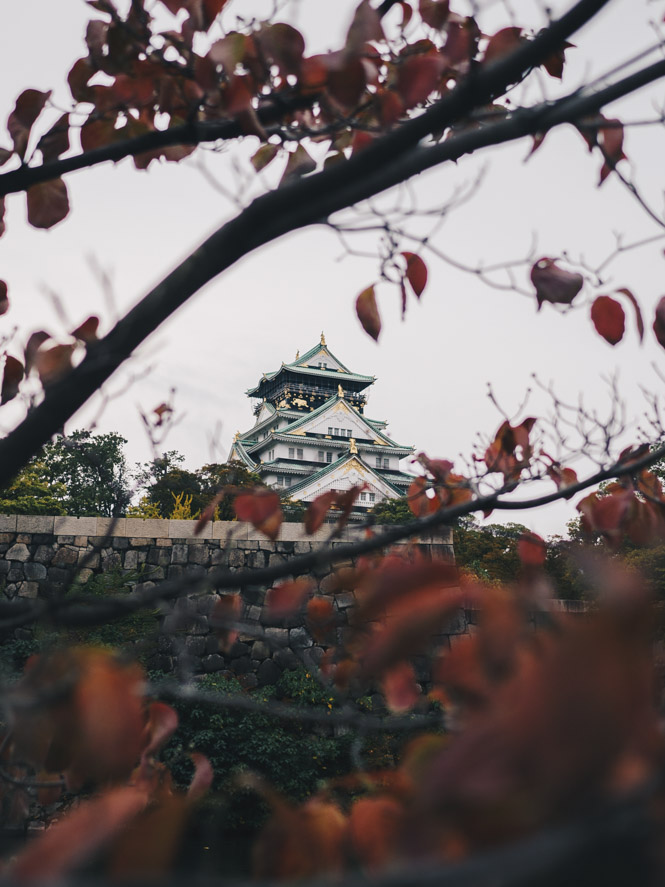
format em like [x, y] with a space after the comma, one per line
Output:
[311, 433]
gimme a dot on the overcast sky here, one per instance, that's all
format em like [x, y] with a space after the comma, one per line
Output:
[432, 369]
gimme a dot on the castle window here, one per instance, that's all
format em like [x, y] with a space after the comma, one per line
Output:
[386, 463]
[330, 430]
[292, 453]
[363, 497]
[336, 432]
[328, 457]
[321, 456]
[372, 497]
[378, 461]
[300, 453]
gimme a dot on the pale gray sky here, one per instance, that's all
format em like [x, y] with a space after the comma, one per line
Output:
[433, 368]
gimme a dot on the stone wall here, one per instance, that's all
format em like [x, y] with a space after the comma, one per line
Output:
[41, 556]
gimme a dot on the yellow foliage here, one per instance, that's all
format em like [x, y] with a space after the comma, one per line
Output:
[144, 509]
[182, 508]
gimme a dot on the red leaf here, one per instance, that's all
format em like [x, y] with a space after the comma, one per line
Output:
[532, 550]
[87, 331]
[162, 724]
[400, 688]
[229, 51]
[78, 78]
[56, 140]
[554, 63]
[419, 76]
[607, 514]
[368, 313]
[502, 43]
[407, 13]
[638, 313]
[659, 322]
[346, 79]
[610, 139]
[202, 13]
[365, 27]
[262, 509]
[608, 318]
[554, 284]
[391, 107]
[375, 829]
[286, 598]
[420, 504]
[317, 511]
[321, 619]
[11, 379]
[28, 107]
[48, 203]
[416, 272]
[32, 346]
[202, 779]
[562, 477]
[4, 298]
[434, 12]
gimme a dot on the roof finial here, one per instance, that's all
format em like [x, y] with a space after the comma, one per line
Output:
[298, 354]
[323, 338]
[353, 449]
[236, 437]
[340, 391]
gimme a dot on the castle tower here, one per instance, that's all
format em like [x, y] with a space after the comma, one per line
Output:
[311, 434]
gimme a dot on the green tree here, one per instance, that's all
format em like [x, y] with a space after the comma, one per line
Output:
[392, 511]
[32, 492]
[90, 471]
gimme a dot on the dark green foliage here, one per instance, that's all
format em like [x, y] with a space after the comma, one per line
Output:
[392, 511]
[292, 757]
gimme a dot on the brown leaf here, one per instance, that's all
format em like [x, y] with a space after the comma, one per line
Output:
[11, 379]
[282, 45]
[532, 549]
[321, 619]
[376, 826]
[28, 107]
[610, 139]
[78, 77]
[262, 508]
[48, 203]
[298, 164]
[4, 298]
[365, 27]
[400, 688]
[287, 598]
[418, 76]
[79, 835]
[659, 322]
[202, 779]
[317, 510]
[56, 140]
[416, 272]
[227, 609]
[32, 346]
[229, 51]
[554, 284]
[264, 156]
[368, 312]
[554, 63]
[54, 363]
[638, 313]
[502, 43]
[162, 724]
[87, 331]
[434, 12]
[609, 319]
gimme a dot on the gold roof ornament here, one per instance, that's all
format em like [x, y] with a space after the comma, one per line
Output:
[298, 354]
[323, 338]
[353, 449]
[340, 391]
[237, 437]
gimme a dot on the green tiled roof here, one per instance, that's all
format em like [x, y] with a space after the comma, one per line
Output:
[331, 466]
[289, 429]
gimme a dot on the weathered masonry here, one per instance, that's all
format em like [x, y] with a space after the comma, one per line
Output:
[40, 556]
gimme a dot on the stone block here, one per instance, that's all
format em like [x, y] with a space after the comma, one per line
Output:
[158, 557]
[7, 538]
[212, 644]
[248, 544]
[34, 572]
[242, 665]
[285, 547]
[179, 553]
[35, 523]
[274, 559]
[219, 558]
[198, 554]
[286, 659]
[163, 543]
[268, 673]
[257, 559]
[298, 638]
[8, 523]
[15, 573]
[65, 557]
[260, 650]
[184, 529]
[345, 599]
[28, 589]
[212, 663]
[222, 528]
[120, 543]
[84, 575]
[146, 529]
[131, 559]
[236, 558]
[73, 526]
[253, 594]
[81, 541]
[4, 568]
[57, 575]
[195, 645]
[457, 624]
[302, 548]
[248, 681]
[111, 526]
[239, 649]
[64, 540]
[279, 636]
[18, 552]
[112, 561]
